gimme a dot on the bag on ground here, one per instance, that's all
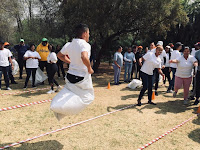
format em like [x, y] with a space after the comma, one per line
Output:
[39, 77]
[16, 67]
[134, 84]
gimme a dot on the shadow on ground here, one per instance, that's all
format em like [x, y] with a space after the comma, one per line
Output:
[43, 145]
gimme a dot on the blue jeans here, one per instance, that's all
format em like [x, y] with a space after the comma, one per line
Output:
[171, 85]
[4, 71]
[147, 83]
[128, 69]
[117, 72]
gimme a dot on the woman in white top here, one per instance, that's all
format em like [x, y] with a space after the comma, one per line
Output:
[32, 60]
[183, 76]
[151, 61]
[52, 68]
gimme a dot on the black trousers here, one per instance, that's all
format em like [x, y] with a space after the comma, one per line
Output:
[42, 65]
[198, 84]
[167, 75]
[52, 69]
[22, 64]
[4, 71]
[12, 79]
[138, 71]
[60, 67]
[134, 67]
[156, 78]
[30, 71]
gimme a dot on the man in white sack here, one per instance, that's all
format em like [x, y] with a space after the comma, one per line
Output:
[78, 91]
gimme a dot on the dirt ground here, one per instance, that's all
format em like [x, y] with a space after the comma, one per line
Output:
[127, 129]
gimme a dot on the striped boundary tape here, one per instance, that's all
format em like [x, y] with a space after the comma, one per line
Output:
[24, 105]
[70, 126]
[168, 132]
[28, 91]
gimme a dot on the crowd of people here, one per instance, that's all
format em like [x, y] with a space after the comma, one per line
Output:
[177, 63]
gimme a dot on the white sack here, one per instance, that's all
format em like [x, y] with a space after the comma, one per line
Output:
[39, 77]
[73, 98]
[16, 67]
[134, 84]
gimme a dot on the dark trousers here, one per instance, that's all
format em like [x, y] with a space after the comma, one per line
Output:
[52, 69]
[138, 71]
[42, 65]
[10, 74]
[147, 84]
[171, 85]
[22, 64]
[134, 67]
[4, 71]
[198, 84]
[167, 75]
[60, 67]
[30, 71]
[156, 78]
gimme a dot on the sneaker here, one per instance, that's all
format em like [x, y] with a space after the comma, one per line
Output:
[25, 87]
[33, 86]
[58, 88]
[169, 91]
[50, 92]
[191, 98]
[151, 103]
[185, 102]
[196, 102]
[139, 103]
[174, 94]
[8, 88]
[156, 93]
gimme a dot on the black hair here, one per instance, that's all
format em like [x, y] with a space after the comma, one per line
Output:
[134, 47]
[177, 45]
[80, 29]
[118, 47]
[52, 48]
[31, 46]
[187, 47]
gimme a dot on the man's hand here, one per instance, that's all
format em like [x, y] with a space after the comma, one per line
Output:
[163, 67]
[90, 71]
[12, 67]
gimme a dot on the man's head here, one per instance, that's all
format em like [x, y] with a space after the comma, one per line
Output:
[140, 48]
[197, 46]
[134, 49]
[44, 41]
[152, 45]
[129, 49]
[1, 44]
[82, 32]
[6, 44]
[21, 41]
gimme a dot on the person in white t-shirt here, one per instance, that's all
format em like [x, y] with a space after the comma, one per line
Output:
[183, 76]
[196, 49]
[5, 58]
[52, 69]
[32, 61]
[151, 62]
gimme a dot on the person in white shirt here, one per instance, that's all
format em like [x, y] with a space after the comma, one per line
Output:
[183, 76]
[32, 60]
[5, 58]
[151, 62]
[195, 49]
[174, 55]
[52, 69]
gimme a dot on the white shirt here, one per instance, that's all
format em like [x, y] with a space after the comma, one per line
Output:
[174, 55]
[194, 52]
[74, 50]
[184, 67]
[52, 58]
[32, 63]
[162, 55]
[4, 55]
[167, 64]
[151, 62]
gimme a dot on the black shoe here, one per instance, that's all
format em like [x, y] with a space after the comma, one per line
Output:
[33, 86]
[119, 83]
[156, 93]
[151, 103]
[139, 103]
[196, 102]
[20, 78]
[191, 98]
[13, 82]
[25, 87]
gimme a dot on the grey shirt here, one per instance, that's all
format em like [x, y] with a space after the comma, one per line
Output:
[197, 56]
[129, 58]
[118, 57]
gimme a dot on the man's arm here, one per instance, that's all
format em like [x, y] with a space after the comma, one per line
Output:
[86, 61]
[10, 60]
[64, 58]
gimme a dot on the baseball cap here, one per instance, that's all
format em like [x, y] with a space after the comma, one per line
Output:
[6, 43]
[44, 40]
[160, 43]
[21, 40]
[179, 44]
[140, 47]
[168, 46]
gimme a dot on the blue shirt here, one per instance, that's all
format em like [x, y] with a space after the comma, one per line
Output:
[118, 57]
[129, 58]
[21, 50]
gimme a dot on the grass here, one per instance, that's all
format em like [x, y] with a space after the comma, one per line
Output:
[127, 129]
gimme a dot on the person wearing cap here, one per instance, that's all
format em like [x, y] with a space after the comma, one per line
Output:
[5, 58]
[134, 67]
[138, 55]
[11, 77]
[174, 55]
[21, 50]
[171, 46]
[43, 51]
[196, 49]
[129, 58]
[183, 76]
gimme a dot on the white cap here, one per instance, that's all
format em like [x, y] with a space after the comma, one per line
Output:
[160, 43]
[168, 47]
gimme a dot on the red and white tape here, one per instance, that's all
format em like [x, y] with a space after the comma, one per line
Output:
[28, 91]
[24, 105]
[168, 132]
[70, 126]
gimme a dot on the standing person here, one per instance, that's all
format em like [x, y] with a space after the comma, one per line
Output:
[21, 50]
[60, 63]
[151, 47]
[52, 69]
[166, 70]
[134, 67]
[151, 62]
[138, 55]
[5, 58]
[183, 76]
[43, 51]
[11, 77]
[171, 47]
[129, 58]
[174, 55]
[197, 56]
[118, 63]
[196, 49]
[32, 60]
